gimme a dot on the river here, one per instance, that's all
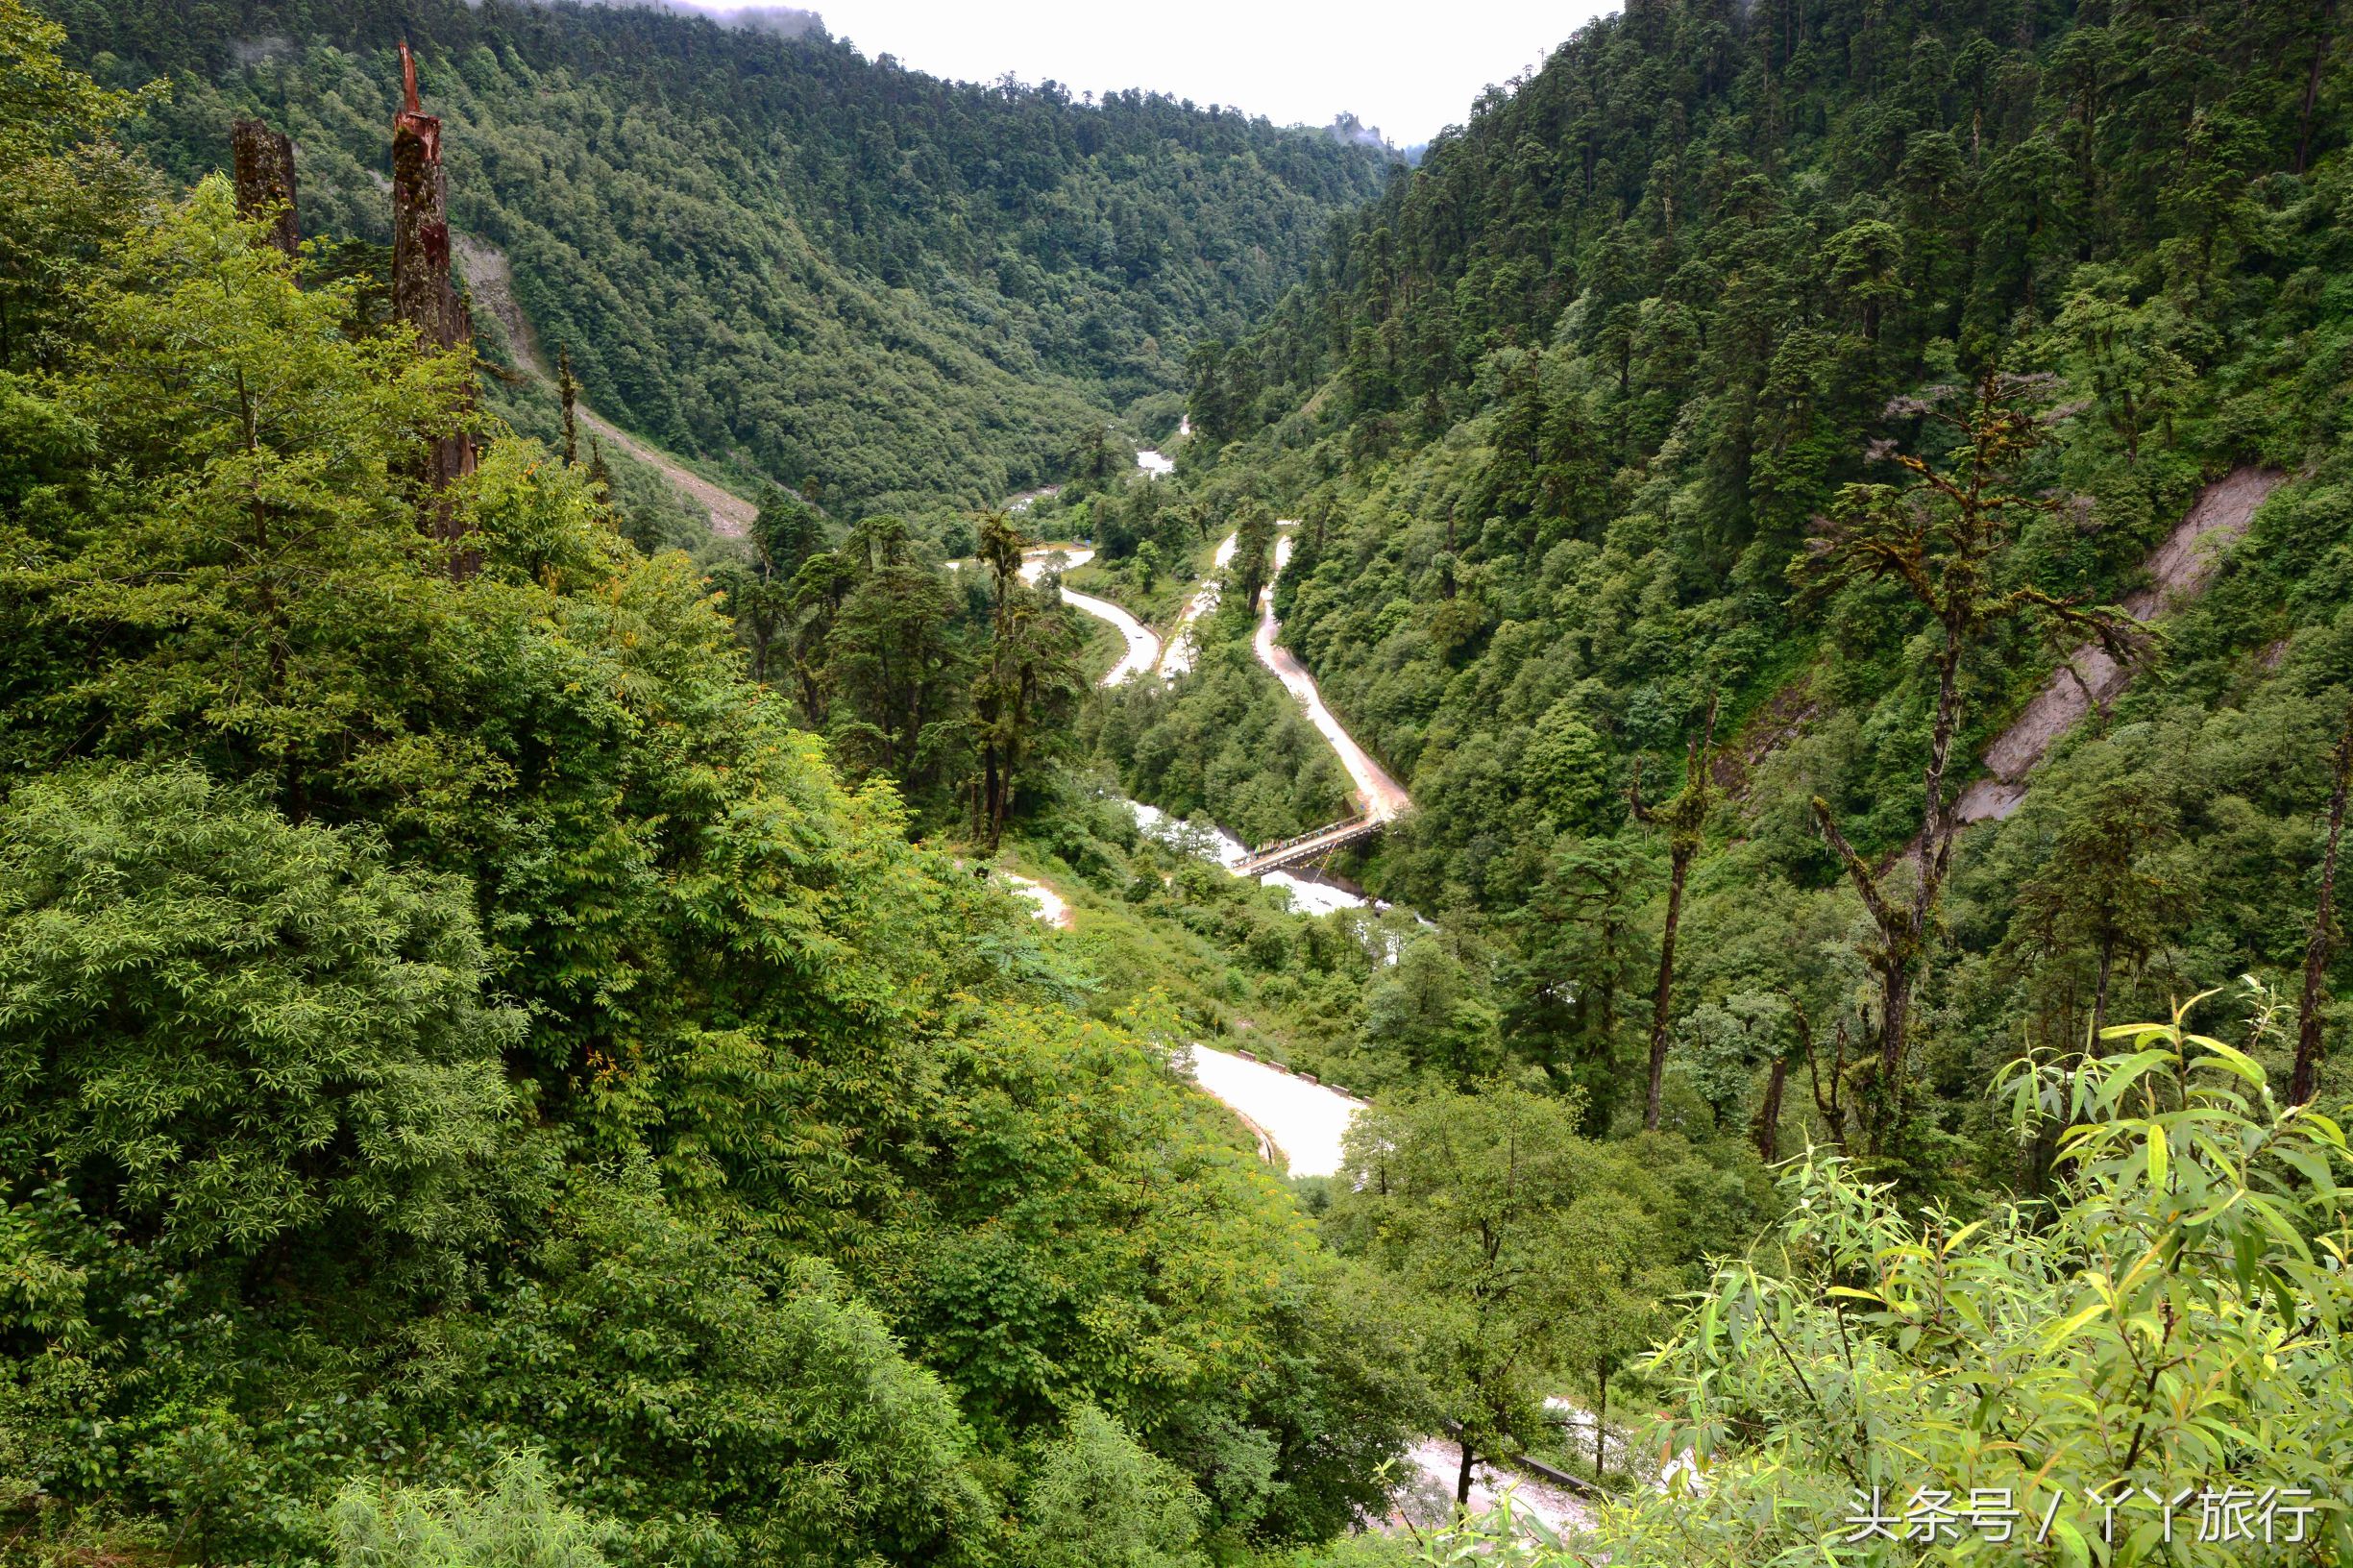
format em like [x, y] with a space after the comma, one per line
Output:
[1142, 645]
[1301, 1125]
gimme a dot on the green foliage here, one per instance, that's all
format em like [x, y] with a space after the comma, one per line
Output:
[1050, 1273]
[256, 563]
[893, 671]
[771, 251]
[1228, 744]
[66, 188]
[1538, 1254]
[731, 1415]
[225, 1033]
[2173, 1319]
[1025, 694]
[1427, 1008]
[518, 1522]
[1560, 408]
[449, 1012]
[1097, 1498]
[1565, 768]
[446, 1010]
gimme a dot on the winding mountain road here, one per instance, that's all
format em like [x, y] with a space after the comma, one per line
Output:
[1379, 798]
[1306, 1120]
[1143, 651]
[1383, 799]
[1052, 906]
[1299, 1124]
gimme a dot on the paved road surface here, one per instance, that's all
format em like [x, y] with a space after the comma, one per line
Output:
[1142, 647]
[1382, 796]
[1307, 1121]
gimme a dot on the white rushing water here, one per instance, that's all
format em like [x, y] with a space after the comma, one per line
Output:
[1209, 841]
[1150, 464]
[1380, 794]
[1308, 895]
[1427, 1496]
[1312, 897]
[1302, 1125]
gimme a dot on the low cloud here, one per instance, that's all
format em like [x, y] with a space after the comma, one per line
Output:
[784, 21]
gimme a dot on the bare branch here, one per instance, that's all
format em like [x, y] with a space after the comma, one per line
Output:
[1865, 881]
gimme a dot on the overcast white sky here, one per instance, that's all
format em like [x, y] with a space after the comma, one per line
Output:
[1409, 69]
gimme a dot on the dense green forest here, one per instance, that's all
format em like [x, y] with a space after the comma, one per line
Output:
[474, 1073]
[513, 1053]
[1700, 462]
[772, 253]
[1598, 424]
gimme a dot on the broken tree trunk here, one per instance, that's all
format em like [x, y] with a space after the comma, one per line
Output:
[568, 391]
[1767, 1124]
[263, 163]
[421, 293]
[1686, 818]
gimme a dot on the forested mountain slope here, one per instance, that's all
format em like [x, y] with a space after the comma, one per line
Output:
[776, 254]
[477, 1084]
[1699, 462]
[1572, 417]
[504, 1056]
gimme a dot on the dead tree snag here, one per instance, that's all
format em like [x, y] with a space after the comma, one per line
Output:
[263, 161]
[2324, 934]
[421, 293]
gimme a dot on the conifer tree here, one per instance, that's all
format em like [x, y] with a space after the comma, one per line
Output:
[1945, 541]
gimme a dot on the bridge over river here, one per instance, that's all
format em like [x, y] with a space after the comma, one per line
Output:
[1379, 798]
[1300, 1125]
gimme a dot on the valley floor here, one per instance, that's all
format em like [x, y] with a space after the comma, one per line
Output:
[1299, 1123]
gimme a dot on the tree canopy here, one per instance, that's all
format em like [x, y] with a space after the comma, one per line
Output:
[474, 1080]
[771, 251]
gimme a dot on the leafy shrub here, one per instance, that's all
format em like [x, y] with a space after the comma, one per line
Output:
[2173, 1319]
[519, 1523]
